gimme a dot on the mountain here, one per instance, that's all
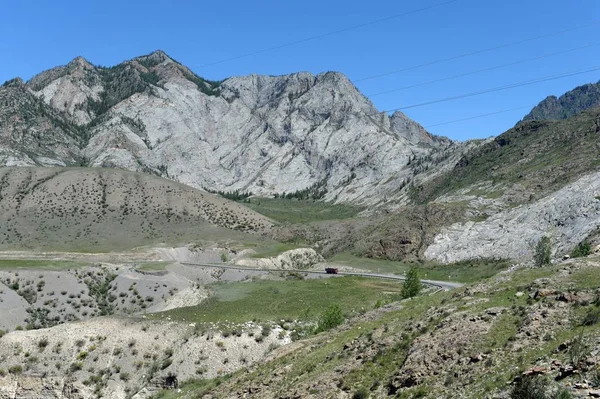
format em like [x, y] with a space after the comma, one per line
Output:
[571, 103]
[259, 134]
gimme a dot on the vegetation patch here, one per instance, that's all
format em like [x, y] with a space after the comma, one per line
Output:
[300, 211]
[280, 300]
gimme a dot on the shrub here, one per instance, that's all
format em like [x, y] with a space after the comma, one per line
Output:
[16, 369]
[543, 251]
[582, 249]
[563, 394]
[579, 349]
[412, 285]
[266, 330]
[124, 377]
[166, 363]
[360, 394]
[75, 366]
[42, 344]
[529, 388]
[591, 318]
[332, 317]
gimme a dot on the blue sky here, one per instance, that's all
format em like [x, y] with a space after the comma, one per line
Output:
[41, 34]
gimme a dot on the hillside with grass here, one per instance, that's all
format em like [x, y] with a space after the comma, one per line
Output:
[103, 210]
[525, 163]
[526, 333]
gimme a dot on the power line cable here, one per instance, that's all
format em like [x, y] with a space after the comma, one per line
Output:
[335, 32]
[482, 70]
[479, 116]
[474, 52]
[495, 89]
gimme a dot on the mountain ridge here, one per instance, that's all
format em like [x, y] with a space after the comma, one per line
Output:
[569, 104]
[257, 133]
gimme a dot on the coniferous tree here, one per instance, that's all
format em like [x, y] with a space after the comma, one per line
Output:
[412, 285]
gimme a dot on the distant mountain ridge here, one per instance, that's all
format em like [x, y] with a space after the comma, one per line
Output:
[569, 104]
[260, 134]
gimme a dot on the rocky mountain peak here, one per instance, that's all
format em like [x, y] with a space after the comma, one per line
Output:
[14, 82]
[153, 59]
[571, 103]
[80, 63]
[414, 132]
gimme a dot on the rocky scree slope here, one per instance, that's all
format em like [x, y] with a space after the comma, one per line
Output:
[110, 209]
[263, 134]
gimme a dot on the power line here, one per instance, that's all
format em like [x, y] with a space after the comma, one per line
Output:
[475, 52]
[481, 70]
[335, 32]
[495, 89]
[479, 116]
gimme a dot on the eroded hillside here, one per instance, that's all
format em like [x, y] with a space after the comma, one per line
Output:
[110, 209]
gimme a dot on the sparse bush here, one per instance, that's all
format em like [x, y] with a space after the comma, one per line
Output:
[563, 394]
[266, 330]
[166, 363]
[16, 369]
[579, 349]
[360, 394]
[75, 366]
[124, 376]
[332, 317]
[529, 388]
[543, 251]
[42, 344]
[592, 317]
[582, 249]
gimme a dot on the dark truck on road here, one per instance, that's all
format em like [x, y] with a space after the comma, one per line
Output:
[331, 270]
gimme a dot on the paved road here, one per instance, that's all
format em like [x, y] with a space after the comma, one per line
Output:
[446, 285]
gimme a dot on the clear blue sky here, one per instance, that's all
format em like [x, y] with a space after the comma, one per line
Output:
[42, 34]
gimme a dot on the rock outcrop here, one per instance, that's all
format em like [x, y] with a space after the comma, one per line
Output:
[301, 258]
[568, 216]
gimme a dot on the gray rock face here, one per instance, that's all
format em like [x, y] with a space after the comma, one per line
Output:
[568, 216]
[32, 134]
[263, 134]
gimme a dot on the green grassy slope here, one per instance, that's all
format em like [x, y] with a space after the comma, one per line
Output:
[469, 343]
[540, 157]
